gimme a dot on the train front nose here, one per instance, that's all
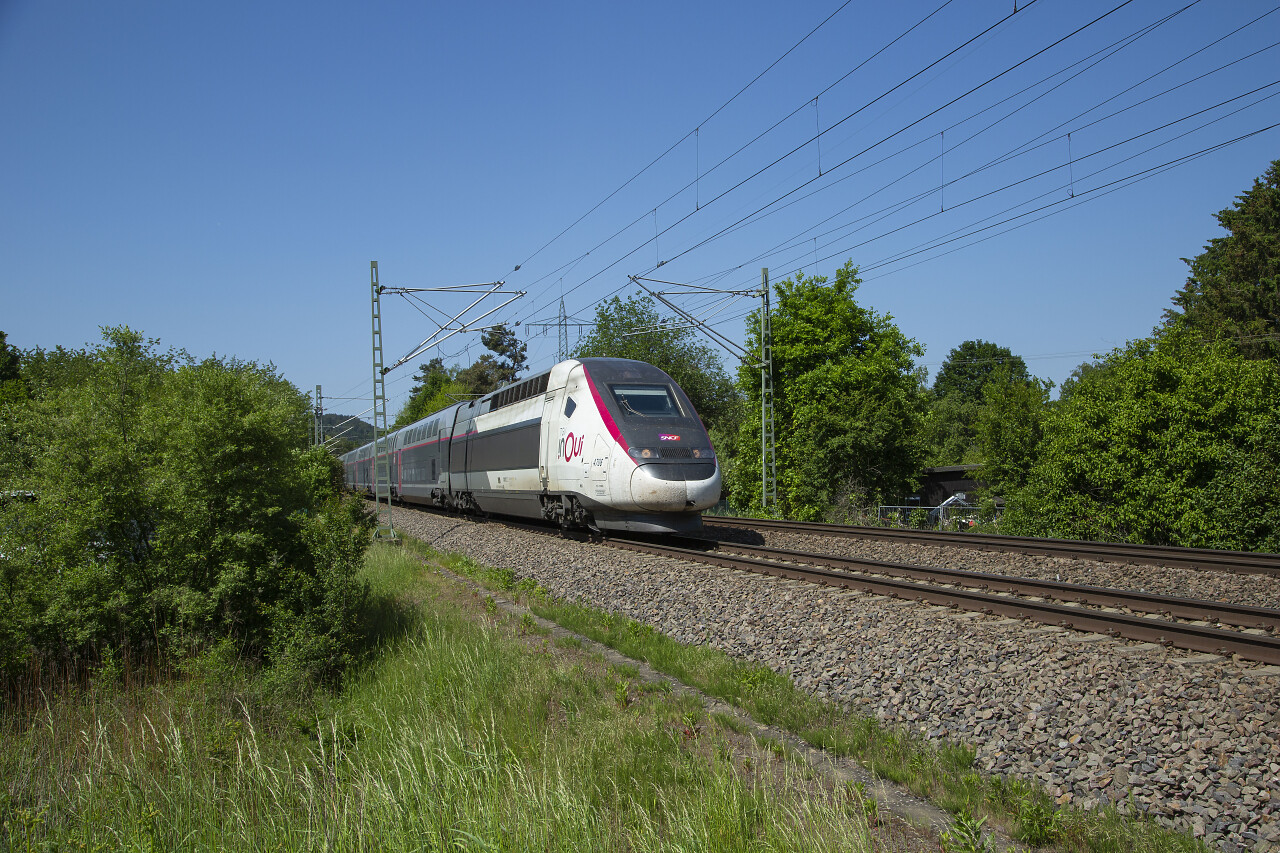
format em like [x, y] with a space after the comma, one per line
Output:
[675, 487]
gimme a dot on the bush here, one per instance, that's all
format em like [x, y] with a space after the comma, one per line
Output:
[177, 504]
[1173, 441]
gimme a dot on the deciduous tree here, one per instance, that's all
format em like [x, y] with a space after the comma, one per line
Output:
[958, 398]
[177, 503]
[1009, 427]
[630, 329]
[1175, 441]
[972, 365]
[848, 401]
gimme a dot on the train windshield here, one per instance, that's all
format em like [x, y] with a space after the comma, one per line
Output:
[646, 401]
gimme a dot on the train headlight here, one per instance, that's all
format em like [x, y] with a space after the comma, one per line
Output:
[704, 453]
[643, 453]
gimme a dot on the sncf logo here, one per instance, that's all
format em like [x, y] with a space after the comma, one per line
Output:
[570, 447]
[665, 437]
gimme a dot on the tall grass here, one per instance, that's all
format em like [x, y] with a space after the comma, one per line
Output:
[941, 771]
[463, 734]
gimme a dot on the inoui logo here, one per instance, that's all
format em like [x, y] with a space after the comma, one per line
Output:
[572, 448]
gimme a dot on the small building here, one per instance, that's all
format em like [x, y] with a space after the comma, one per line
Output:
[938, 484]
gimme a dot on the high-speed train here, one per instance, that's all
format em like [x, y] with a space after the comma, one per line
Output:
[605, 443]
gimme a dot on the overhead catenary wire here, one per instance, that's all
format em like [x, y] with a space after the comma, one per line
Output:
[682, 139]
[1049, 209]
[874, 145]
[948, 184]
[1109, 51]
[779, 122]
[1004, 158]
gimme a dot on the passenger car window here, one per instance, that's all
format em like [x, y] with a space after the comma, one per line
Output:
[648, 401]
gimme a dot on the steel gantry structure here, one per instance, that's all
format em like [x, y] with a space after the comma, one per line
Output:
[382, 460]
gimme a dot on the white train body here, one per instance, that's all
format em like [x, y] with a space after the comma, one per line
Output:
[602, 442]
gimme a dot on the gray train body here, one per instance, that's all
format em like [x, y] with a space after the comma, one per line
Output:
[600, 442]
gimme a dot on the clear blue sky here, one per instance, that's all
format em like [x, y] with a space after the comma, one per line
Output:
[219, 175]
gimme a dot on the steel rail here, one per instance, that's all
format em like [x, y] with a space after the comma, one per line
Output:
[1257, 647]
[1240, 562]
[1099, 596]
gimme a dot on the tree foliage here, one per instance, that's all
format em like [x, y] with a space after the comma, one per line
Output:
[437, 387]
[970, 367]
[500, 366]
[628, 329]
[958, 398]
[1175, 441]
[1080, 374]
[12, 386]
[848, 403]
[1009, 427]
[1234, 287]
[177, 503]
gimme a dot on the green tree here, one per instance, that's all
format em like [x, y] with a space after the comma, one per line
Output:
[437, 387]
[500, 366]
[1234, 287]
[45, 371]
[1174, 441]
[958, 398]
[1009, 428]
[12, 386]
[970, 367]
[629, 329]
[177, 503]
[950, 430]
[433, 386]
[848, 402]
[1079, 375]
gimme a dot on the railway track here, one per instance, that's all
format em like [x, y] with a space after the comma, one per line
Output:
[1240, 562]
[1075, 606]
[952, 588]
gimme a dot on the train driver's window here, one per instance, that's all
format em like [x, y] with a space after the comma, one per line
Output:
[569, 406]
[650, 401]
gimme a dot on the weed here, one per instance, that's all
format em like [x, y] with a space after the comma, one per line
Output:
[754, 679]
[1038, 822]
[864, 803]
[639, 630]
[621, 691]
[660, 686]
[966, 836]
[776, 747]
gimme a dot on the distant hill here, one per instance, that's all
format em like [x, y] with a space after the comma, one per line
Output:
[356, 430]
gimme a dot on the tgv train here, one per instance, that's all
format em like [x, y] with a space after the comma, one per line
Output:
[606, 443]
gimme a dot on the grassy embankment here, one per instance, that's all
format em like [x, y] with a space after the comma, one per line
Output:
[468, 731]
[941, 772]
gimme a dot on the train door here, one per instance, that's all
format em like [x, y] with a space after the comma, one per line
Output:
[549, 440]
[460, 449]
